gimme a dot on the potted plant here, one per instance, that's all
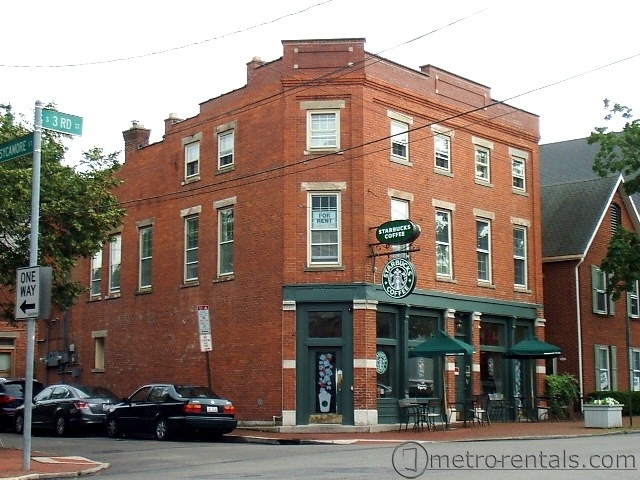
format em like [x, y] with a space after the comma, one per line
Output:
[603, 413]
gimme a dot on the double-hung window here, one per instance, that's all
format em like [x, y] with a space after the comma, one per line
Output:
[323, 130]
[483, 164]
[606, 367]
[324, 229]
[146, 256]
[442, 147]
[192, 160]
[520, 256]
[443, 243]
[225, 241]
[226, 142]
[400, 211]
[96, 274]
[635, 369]
[634, 306]
[602, 303]
[115, 261]
[483, 249]
[400, 140]
[191, 245]
[518, 173]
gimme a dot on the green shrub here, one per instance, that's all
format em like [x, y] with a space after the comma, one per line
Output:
[564, 392]
[622, 397]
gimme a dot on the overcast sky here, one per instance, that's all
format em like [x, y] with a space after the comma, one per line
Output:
[115, 61]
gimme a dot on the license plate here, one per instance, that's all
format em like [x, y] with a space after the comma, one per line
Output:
[212, 409]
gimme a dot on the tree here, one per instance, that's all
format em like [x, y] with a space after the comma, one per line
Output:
[620, 153]
[78, 210]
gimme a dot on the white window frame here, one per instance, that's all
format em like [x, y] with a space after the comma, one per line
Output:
[96, 274]
[145, 240]
[602, 303]
[634, 301]
[191, 250]
[319, 137]
[483, 164]
[442, 160]
[443, 244]
[321, 223]
[520, 255]
[635, 369]
[115, 263]
[226, 149]
[400, 211]
[225, 241]
[518, 175]
[192, 160]
[400, 140]
[483, 252]
[605, 369]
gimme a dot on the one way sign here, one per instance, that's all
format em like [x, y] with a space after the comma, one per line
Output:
[33, 292]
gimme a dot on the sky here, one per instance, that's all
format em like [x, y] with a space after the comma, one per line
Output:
[116, 61]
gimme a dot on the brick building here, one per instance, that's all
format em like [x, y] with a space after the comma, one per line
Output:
[580, 214]
[264, 207]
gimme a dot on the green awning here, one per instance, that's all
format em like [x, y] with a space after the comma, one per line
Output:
[440, 345]
[531, 347]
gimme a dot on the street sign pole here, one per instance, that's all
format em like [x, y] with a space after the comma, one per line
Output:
[33, 261]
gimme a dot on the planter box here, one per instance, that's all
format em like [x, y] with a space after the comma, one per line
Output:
[602, 416]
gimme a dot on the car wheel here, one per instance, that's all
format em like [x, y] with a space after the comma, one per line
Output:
[113, 429]
[162, 429]
[61, 426]
[19, 424]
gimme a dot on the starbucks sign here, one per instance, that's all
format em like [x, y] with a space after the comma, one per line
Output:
[398, 278]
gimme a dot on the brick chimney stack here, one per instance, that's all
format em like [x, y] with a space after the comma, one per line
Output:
[136, 137]
[169, 122]
[252, 66]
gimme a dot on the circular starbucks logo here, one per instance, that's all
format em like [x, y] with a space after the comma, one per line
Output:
[382, 362]
[398, 278]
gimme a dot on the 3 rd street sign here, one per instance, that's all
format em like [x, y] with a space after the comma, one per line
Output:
[33, 292]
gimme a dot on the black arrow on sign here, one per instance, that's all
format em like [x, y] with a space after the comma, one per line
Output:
[27, 306]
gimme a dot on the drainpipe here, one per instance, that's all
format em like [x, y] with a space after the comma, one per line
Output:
[579, 332]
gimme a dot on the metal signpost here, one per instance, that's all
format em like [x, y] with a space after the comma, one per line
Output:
[204, 330]
[29, 279]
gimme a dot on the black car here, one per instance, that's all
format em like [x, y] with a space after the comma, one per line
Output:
[65, 408]
[11, 397]
[165, 409]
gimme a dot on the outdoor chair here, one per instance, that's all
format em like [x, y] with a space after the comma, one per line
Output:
[480, 412]
[433, 415]
[409, 412]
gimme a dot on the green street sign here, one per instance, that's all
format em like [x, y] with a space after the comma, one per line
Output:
[61, 122]
[16, 148]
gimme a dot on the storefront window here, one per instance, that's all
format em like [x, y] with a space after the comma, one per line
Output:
[421, 328]
[491, 334]
[325, 324]
[421, 370]
[386, 355]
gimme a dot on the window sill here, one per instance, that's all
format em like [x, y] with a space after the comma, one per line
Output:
[97, 370]
[522, 290]
[324, 268]
[486, 285]
[144, 291]
[111, 296]
[442, 171]
[97, 298]
[227, 168]
[401, 161]
[483, 183]
[324, 151]
[440, 278]
[190, 283]
[195, 178]
[522, 193]
[225, 278]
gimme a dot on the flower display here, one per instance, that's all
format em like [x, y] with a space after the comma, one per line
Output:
[609, 401]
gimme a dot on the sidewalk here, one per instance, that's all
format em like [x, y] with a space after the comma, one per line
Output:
[47, 465]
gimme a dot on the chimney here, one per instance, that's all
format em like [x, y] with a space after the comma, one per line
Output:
[252, 66]
[134, 138]
[169, 122]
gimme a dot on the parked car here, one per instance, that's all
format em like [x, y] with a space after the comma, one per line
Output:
[64, 408]
[165, 409]
[11, 397]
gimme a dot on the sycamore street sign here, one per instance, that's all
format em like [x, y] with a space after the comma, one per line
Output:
[61, 122]
[16, 148]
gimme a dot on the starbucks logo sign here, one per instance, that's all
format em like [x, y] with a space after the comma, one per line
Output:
[382, 362]
[398, 278]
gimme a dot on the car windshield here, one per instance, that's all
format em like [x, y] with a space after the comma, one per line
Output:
[195, 392]
[95, 392]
